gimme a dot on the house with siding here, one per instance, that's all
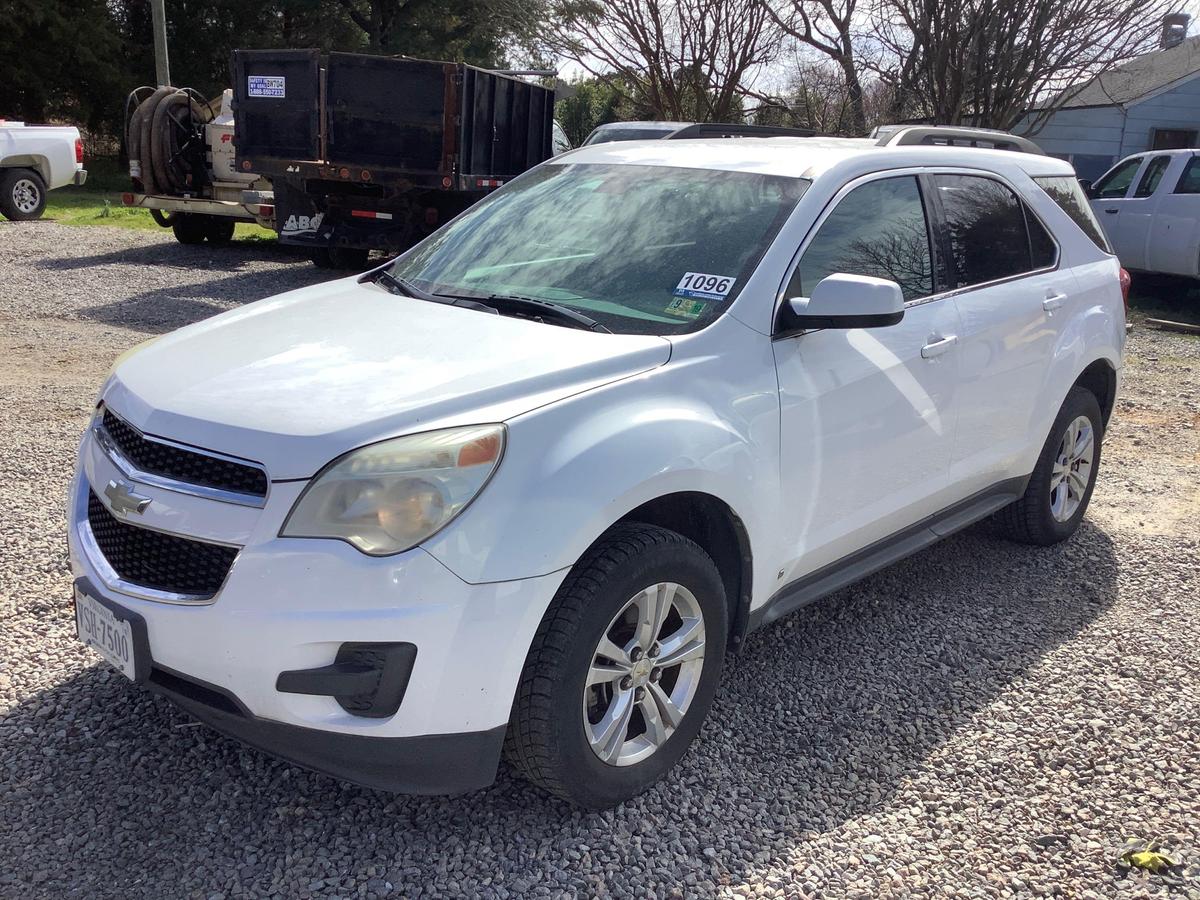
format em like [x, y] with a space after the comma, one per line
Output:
[1151, 102]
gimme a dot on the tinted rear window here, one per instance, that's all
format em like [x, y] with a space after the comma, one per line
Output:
[1067, 192]
[986, 227]
[1189, 181]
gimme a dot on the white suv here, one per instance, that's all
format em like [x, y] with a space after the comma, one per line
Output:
[519, 491]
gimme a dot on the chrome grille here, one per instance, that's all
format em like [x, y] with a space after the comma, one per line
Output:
[170, 461]
[160, 562]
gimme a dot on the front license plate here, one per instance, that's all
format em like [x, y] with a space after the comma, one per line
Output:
[108, 635]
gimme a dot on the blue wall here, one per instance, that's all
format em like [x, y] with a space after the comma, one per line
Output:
[1176, 108]
[1093, 138]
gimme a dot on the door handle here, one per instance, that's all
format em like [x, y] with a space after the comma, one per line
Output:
[1113, 210]
[1053, 301]
[938, 347]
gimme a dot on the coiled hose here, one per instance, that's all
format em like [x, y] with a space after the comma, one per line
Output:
[165, 139]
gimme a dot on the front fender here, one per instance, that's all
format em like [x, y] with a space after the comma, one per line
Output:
[573, 468]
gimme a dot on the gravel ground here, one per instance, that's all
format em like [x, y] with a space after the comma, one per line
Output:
[982, 720]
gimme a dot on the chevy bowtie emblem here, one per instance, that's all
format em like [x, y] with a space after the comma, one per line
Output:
[123, 500]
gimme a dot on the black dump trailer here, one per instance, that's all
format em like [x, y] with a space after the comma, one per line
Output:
[372, 152]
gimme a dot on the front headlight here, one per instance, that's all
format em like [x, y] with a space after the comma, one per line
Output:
[390, 496]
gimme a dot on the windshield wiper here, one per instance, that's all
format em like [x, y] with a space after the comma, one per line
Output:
[563, 314]
[408, 289]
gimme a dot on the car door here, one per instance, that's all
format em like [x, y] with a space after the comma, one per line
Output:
[1174, 246]
[1133, 223]
[867, 415]
[1012, 298]
[1109, 199]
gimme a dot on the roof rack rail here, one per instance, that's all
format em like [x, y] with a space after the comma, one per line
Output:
[725, 130]
[952, 136]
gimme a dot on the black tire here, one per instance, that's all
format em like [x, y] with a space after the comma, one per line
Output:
[220, 231]
[22, 194]
[351, 258]
[190, 228]
[546, 742]
[1031, 520]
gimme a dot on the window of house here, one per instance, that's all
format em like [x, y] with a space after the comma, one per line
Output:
[878, 229]
[1172, 138]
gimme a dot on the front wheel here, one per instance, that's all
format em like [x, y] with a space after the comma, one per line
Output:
[352, 258]
[622, 669]
[1061, 486]
[22, 194]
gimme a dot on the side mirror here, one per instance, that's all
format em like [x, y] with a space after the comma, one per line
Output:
[844, 301]
[1086, 184]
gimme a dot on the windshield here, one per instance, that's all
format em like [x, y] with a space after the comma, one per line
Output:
[640, 249]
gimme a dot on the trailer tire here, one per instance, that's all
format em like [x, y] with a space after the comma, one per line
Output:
[340, 258]
[220, 231]
[163, 218]
[22, 194]
[190, 228]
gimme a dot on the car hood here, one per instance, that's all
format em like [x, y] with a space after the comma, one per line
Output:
[296, 380]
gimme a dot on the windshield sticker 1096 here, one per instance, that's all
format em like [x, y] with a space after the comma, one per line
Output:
[700, 286]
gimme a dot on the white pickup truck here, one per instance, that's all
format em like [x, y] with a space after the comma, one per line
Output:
[35, 159]
[1149, 206]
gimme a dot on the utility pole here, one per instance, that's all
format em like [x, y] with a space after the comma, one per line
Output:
[162, 66]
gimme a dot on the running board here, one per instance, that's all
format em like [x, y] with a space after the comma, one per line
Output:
[883, 553]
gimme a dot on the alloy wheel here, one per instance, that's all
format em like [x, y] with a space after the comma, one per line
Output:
[644, 674]
[1072, 471]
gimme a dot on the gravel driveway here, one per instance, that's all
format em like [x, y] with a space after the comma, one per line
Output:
[982, 720]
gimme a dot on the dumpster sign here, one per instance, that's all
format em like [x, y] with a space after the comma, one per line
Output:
[266, 86]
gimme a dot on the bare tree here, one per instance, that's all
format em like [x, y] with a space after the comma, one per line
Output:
[682, 59]
[825, 25]
[986, 62]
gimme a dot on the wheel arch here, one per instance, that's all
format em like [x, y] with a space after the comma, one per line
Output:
[712, 524]
[38, 164]
[1100, 378]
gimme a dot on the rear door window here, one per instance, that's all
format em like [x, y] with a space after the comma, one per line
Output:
[1189, 181]
[985, 228]
[1150, 179]
[1117, 181]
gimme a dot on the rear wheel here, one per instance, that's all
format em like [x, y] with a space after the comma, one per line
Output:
[1062, 482]
[622, 670]
[190, 228]
[220, 231]
[22, 194]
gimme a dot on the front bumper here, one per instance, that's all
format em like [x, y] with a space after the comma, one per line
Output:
[424, 764]
[290, 604]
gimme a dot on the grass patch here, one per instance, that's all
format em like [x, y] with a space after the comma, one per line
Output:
[99, 203]
[82, 206]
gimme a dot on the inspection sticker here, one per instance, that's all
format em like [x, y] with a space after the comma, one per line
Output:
[685, 308]
[266, 85]
[704, 287]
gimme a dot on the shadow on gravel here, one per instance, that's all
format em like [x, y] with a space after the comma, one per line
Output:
[172, 254]
[108, 791]
[167, 308]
